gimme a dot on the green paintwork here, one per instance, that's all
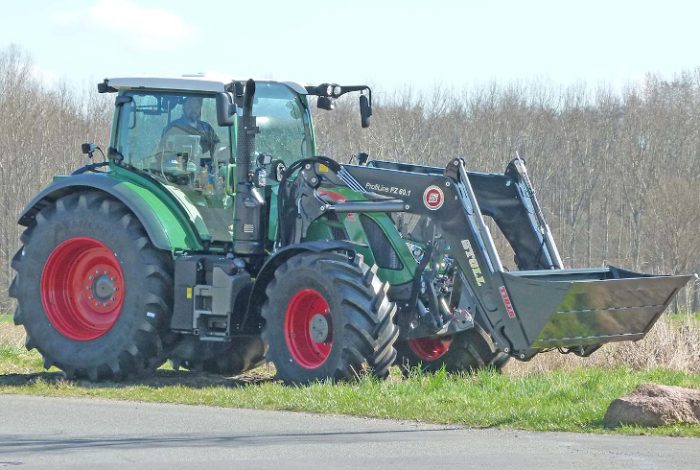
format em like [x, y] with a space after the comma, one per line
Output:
[272, 217]
[184, 227]
[320, 230]
[357, 234]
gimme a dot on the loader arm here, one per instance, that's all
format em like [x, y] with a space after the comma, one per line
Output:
[541, 306]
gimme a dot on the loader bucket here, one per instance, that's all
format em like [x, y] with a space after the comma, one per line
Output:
[582, 307]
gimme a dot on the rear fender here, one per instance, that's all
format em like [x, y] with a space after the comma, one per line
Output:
[166, 224]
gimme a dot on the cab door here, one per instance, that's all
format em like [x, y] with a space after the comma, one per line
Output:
[174, 137]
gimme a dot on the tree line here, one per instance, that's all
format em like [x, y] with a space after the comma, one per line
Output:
[615, 172]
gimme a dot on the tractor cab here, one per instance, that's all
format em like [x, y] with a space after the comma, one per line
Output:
[167, 129]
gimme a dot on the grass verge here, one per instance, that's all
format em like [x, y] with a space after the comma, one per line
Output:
[556, 400]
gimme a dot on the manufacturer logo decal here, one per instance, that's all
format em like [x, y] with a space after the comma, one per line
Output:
[506, 301]
[433, 198]
[473, 263]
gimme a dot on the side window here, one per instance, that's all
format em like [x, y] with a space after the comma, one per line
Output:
[176, 139]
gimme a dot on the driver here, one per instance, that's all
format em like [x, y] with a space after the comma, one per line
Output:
[190, 123]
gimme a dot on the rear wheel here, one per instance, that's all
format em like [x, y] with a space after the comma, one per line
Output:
[467, 351]
[94, 295]
[328, 317]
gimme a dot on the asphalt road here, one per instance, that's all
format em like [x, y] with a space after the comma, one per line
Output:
[57, 433]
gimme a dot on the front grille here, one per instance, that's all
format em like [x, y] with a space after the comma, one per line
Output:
[384, 254]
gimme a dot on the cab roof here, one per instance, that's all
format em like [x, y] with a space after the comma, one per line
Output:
[198, 82]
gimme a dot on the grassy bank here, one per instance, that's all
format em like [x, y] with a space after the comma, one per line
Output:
[569, 399]
[555, 401]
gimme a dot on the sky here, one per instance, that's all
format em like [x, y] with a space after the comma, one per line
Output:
[388, 44]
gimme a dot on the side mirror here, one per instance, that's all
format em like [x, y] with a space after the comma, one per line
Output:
[264, 159]
[88, 148]
[225, 109]
[365, 111]
[326, 103]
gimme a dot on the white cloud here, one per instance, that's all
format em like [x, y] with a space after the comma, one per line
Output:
[141, 28]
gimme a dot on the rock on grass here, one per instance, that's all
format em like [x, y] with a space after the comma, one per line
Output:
[655, 405]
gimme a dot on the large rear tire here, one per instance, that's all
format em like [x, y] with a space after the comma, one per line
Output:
[467, 351]
[328, 317]
[94, 295]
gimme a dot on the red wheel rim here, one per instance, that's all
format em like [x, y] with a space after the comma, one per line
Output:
[305, 320]
[82, 288]
[430, 349]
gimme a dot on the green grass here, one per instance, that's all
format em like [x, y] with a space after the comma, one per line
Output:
[14, 361]
[5, 318]
[571, 400]
[684, 316]
[555, 401]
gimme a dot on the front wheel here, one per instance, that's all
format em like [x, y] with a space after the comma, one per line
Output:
[328, 317]
[467, 351]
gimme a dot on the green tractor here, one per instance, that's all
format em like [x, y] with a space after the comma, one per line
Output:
[212, 235]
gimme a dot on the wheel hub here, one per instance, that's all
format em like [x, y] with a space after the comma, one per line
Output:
[103, 287]
[318, 328]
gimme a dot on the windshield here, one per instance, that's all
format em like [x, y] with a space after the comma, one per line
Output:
[284, 122]
[174, 137]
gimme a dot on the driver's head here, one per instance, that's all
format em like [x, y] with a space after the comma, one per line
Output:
[192, 108]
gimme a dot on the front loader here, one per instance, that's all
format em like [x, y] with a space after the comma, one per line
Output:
[218, 239]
